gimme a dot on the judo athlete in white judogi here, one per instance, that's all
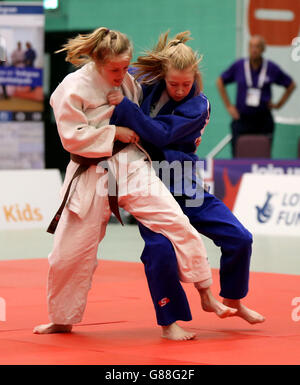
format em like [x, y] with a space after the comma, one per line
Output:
[82, 115]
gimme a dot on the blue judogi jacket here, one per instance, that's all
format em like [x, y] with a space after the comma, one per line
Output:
[171, 135]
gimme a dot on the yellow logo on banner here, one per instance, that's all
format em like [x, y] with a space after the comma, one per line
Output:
[14, 213]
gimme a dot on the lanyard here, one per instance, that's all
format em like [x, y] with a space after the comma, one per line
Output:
[261, 77]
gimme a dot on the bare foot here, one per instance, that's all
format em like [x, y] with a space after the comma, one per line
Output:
[176, 333]
[52, 328]
[248, 315]
[210, 304]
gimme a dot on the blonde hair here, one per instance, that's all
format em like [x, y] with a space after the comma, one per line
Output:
[96, 46]
[154, 64]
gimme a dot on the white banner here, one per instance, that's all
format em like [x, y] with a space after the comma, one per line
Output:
[269, 204]
[279, 23]
[29, 198]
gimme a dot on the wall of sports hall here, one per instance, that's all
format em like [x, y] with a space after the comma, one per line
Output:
[218, 31]
[216, 28]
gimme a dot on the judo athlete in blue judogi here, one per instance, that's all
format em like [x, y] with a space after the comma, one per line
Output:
[170, 121]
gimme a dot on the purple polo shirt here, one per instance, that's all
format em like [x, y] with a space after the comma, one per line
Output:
[236, 73]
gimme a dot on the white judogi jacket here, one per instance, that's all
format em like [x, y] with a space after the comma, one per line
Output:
[82, 115]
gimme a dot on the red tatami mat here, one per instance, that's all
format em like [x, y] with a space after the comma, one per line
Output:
[119, 326]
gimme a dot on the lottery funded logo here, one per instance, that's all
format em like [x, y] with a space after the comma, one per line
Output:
[282, 209]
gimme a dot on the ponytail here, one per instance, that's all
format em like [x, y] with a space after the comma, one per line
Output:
[153, 65]
[96, 46]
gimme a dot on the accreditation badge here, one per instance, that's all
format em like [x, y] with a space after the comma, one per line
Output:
[253, 96]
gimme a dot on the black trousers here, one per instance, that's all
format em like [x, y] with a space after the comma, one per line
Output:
[261, 123]
[4, 91]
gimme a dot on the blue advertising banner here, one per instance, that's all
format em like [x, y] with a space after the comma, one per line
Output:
[9, 8]
[32, 77]
[228, 174]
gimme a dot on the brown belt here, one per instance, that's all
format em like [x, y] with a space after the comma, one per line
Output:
[84, 164]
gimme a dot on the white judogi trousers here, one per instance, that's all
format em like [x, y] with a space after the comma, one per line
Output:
[74, 256]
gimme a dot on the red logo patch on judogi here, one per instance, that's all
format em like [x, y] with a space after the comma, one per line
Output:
[163, 302]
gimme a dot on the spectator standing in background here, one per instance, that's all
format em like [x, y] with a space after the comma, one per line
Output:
[18, 56]
[2, 60]
[30, 55]
[254, 76]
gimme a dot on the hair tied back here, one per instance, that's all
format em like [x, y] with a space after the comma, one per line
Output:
[175, 43]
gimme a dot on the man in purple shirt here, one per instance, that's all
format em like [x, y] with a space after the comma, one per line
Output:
[254, 76]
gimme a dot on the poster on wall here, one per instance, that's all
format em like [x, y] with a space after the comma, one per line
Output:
[279, 23]
[228, 174]
[21, 85]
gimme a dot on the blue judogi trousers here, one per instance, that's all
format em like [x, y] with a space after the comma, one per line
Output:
[214, 220]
